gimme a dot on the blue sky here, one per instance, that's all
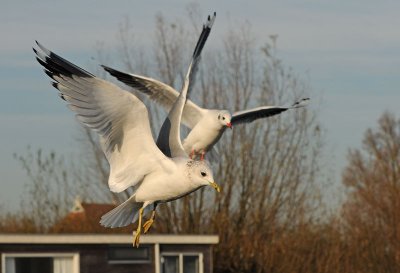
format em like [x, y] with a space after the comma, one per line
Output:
[350, 50]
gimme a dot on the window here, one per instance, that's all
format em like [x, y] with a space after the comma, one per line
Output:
[181, 263]
[127, 254]
[40, 262]
[170, 264]
[191, 264]
[32, 265]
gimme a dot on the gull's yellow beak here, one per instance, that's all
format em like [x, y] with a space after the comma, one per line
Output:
[215, 186]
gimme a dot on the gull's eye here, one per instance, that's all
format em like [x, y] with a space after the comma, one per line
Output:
[203, 174]
[223, 118]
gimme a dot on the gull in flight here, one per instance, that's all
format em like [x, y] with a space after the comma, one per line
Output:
[207, 125]
[121, 121]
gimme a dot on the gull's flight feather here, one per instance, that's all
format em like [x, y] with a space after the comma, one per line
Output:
[169, 140]
[120, 119]
[165, 94]
[251, 115]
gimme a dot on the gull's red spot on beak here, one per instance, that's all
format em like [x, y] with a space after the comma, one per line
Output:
[229, 125]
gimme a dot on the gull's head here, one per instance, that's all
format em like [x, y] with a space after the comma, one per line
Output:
[224, 118]
[200, 174]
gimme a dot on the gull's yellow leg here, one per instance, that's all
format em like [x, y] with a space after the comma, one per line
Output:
[138, 231]
[147, 225]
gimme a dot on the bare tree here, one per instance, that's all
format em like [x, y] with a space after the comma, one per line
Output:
[372, 211]
[54, 183]
[268, 215]
[268, 169]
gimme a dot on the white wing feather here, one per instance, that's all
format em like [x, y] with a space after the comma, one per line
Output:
[164, 94]
[120, 119]
[169, 139]
[160, 93]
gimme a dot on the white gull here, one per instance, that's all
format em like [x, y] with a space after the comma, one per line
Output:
[121, 121]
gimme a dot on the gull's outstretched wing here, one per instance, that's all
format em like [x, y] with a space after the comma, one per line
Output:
[169, 140]
[120, 119]
[160, 93]
[251, 115]
[194, 64]
[164, 94]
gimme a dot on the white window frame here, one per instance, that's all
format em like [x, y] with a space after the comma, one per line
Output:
[74, 256]
[180, 255]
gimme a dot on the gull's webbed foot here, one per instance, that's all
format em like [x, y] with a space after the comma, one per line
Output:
[147, 225]
[138, 231]
[136, 239]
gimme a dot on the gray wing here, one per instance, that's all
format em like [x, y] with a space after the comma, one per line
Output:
[169, 140]
[160, 93]
[164, 94]
[118, 117]
[251, 115]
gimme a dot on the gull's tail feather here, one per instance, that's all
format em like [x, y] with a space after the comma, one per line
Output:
[123, 215]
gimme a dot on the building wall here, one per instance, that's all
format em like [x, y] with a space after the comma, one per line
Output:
[93, 258]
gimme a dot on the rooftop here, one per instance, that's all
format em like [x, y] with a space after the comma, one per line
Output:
[105, 239]
[85, 218]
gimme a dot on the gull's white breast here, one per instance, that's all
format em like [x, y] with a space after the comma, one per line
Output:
[204, 135]
[163, 186]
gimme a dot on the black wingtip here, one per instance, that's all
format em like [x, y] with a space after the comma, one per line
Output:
[42, 63]
[203, 37]
[297, 103]
[106, 68]
[50, 74]
[62, 96]
[111, 71]
[41, 47]
[45, 50]
[55, 85]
